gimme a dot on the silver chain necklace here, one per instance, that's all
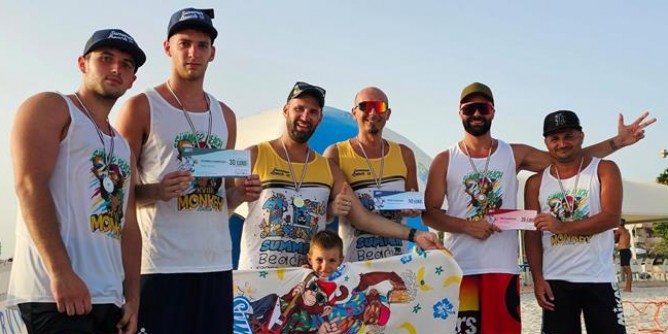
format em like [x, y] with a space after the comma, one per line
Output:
[190, 121]
[297, 200]
[482, 178]
[377, 180]
[107, 184]
[570, 206]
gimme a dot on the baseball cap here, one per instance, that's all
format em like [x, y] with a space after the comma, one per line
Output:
[198, 19]
[302, 88]
[560, 120]
[476, 88]
[118, 39]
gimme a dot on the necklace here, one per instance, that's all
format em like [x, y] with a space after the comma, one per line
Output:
[377, 180]
[570, 205]
[190, 121]
[107, 184]
[297, 200]
[482, 178]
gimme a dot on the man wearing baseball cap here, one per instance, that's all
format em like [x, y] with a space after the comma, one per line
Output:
[478, 174]
[187, 258]
[76, 264]
[302, 190]
[579, 200]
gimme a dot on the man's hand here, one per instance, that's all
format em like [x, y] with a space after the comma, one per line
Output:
[544, 295]
[428, 240]
[71, 294]
[480, 229]
[632, 133]
[251, 189]
[128, 323]
[329, 328]
[342, 203]
[174, 184]
[547, 222]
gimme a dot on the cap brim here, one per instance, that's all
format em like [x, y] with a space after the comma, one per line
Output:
[312, 92]
[553, 131]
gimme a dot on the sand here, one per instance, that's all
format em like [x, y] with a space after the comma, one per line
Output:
[640, 309]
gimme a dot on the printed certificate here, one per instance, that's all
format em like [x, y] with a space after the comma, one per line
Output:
[216, 163]
[398, 200]
[512, 219]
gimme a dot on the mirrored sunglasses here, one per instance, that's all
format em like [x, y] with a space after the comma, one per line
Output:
[367, 106]
[484, 108]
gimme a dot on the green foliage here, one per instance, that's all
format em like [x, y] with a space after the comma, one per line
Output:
[663, 177]
[661, 229]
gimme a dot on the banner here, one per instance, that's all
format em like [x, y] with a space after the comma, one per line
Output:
[412, 293]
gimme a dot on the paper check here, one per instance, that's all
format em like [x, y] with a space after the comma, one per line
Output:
[512, 219]
[398, 200]
[217, 163]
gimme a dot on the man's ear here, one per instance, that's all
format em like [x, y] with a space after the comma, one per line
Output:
[213, 53]
[166, 48]
[81, 61]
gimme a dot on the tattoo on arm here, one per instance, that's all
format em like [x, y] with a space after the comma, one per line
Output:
[613, 146]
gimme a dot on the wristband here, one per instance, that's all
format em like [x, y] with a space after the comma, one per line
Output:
[411, 235]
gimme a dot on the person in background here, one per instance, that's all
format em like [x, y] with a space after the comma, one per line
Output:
[623, 238]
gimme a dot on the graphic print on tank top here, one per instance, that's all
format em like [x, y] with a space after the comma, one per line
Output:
[108, 183]
[559, 208]
[490, 188]
[287, 220]
[371, 246]
[204, 193]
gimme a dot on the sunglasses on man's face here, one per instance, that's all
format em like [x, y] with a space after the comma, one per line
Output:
[379, 107]
[484, 108]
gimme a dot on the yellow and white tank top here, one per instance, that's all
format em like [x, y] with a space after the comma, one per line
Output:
[278, 230]
[359, 245]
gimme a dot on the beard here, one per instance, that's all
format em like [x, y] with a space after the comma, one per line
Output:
[299, 136]
[477, 131]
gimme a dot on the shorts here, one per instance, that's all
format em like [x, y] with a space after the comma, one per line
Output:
[489, 304]
[625, 257]
[601, 304]
[44, 318]
[189, 303]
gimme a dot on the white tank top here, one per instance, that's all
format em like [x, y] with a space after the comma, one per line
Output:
[189, 233]
[576, 258]
[499, 253]
[91, 217]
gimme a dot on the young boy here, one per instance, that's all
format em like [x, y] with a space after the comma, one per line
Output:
[325, 253]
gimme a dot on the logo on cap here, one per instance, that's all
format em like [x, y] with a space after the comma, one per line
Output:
[192, 15]
[119, 35]
[559, 120]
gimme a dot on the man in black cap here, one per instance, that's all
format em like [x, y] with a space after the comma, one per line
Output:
[76, 264]
[187, 250]
[302, 189]
[478, 174]
[579, 200]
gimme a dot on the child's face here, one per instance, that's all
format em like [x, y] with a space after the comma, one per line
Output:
[324, 261]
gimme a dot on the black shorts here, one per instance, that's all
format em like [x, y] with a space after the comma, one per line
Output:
[44, 318]
[625, 257]
[601, 304]
[186, 303]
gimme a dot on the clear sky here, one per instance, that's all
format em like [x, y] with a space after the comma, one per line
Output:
[597, 58]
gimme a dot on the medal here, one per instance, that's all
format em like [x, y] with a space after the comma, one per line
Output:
[107, 184]
[297, 201]
[481, 177]
[481, 198]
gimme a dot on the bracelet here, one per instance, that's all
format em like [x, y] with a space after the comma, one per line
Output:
[411, 235]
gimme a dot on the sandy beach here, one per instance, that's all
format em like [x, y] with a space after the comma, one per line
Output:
[645, 309]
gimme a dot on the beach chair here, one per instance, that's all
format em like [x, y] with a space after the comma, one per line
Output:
[636, 269]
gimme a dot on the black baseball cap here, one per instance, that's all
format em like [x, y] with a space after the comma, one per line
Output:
[560, 120]
[303, 88]
[192, 18]
[118, 39]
